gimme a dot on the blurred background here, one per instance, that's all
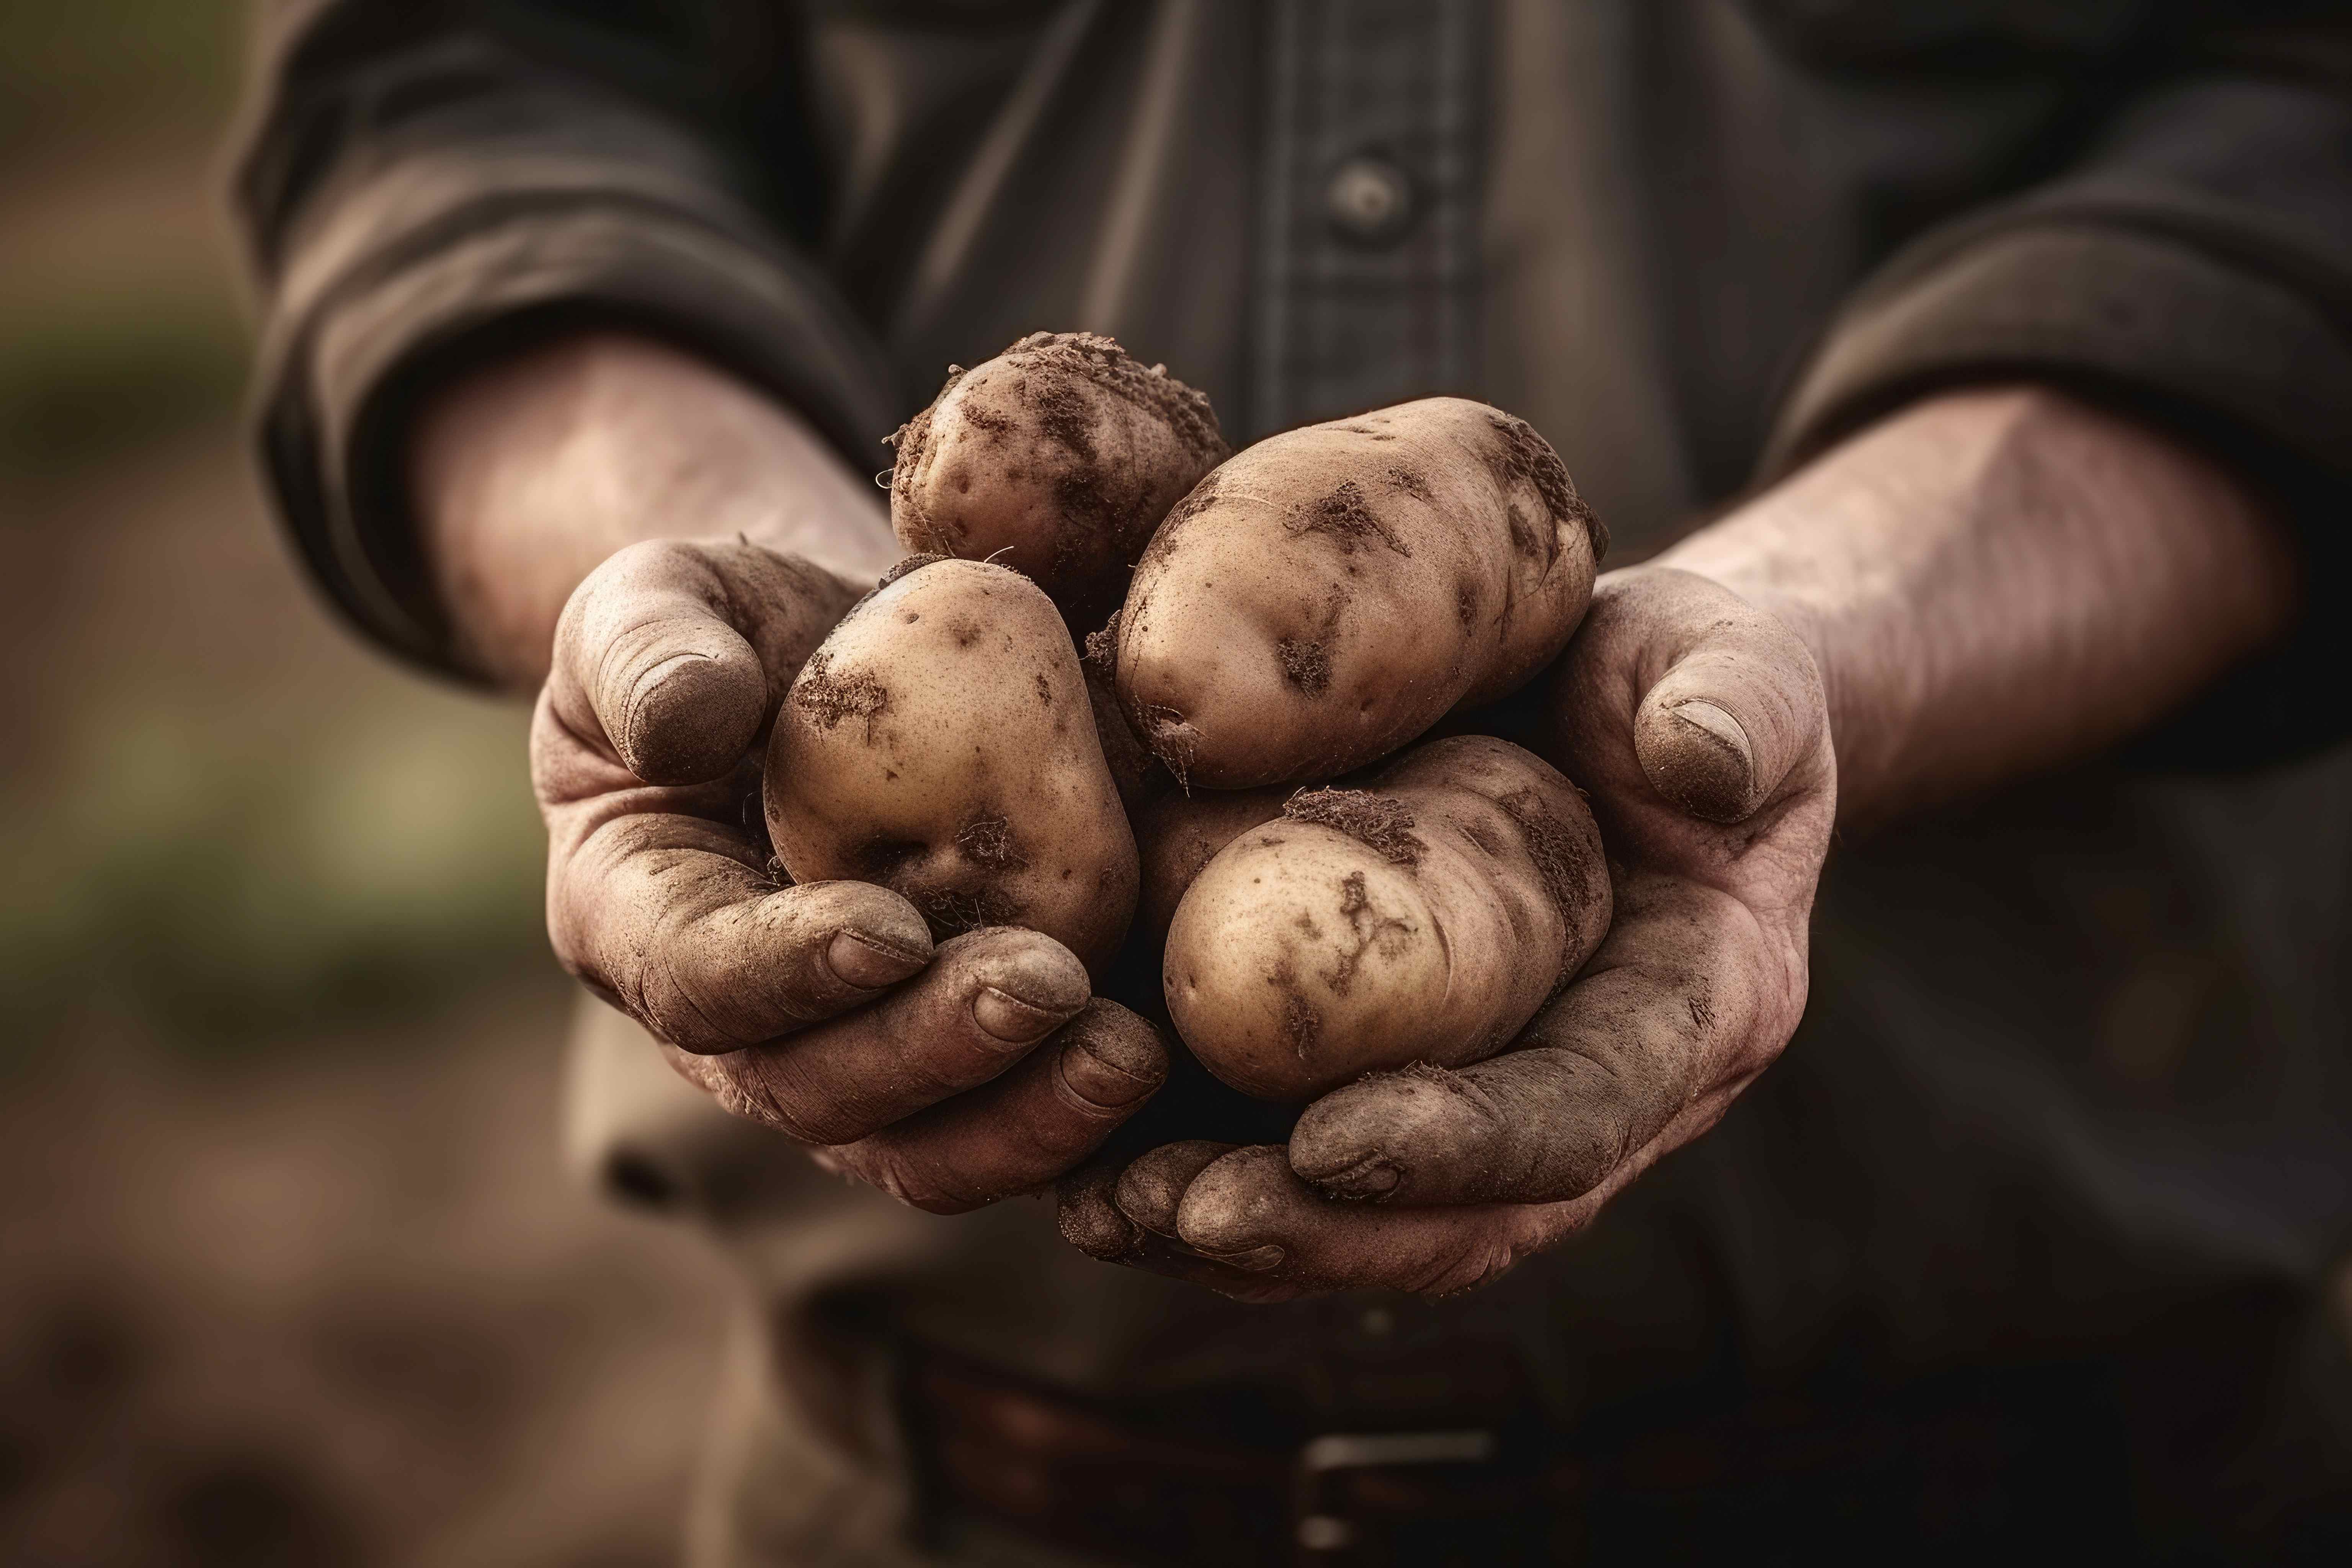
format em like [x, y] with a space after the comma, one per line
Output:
[290, 1269]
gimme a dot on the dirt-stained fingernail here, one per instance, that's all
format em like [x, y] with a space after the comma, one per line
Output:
[864, 961]
[1011, 1020]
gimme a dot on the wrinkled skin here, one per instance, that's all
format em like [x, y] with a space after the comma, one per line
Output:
[949, 1076]
[1698, 725]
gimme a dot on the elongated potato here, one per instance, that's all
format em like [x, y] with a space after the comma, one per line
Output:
[1424, 919]
[1331, 593]
[939, 743]
[1058, 457]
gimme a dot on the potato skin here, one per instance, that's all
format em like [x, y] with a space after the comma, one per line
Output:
[1261, 641]
[939, 743]
[1424, 919]
[1058, 457]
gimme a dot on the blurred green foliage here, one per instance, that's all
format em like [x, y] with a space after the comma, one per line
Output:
[220, 854]
[91, 362]
[82, 377]
[221, 886]
[92, 66]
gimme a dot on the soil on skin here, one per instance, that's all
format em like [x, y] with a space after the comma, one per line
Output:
[1349, 518]
[1379, 824]
[1559, 856]
[1305, 664]
[1525, 456]
[828, 699]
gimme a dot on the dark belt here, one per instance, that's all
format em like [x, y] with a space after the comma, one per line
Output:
[1948, 1475]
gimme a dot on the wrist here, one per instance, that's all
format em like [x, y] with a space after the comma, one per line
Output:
[529, 472]
[1995, 580]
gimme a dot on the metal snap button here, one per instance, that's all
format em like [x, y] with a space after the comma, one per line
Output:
[1369, 200]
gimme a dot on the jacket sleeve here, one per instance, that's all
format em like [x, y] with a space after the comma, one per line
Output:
[2193, 266]
[418, 182]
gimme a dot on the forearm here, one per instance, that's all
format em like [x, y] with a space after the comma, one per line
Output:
[1996, 582]
[529, 472]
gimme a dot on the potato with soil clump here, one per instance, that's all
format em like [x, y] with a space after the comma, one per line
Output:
[940, 744]
[1058, 457]
[1331, 593]
[1424, 919]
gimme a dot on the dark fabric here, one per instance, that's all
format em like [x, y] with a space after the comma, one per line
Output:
[840, 198]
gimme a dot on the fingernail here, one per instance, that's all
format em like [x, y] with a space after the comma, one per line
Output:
[1099, 1082]
[1256, 1259]
[859, 959]
[1719, 724]
[1371, 1177]
[1010, 1018]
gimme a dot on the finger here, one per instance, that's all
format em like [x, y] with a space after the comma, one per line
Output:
[1152, 1187]
[1251, 1213]
[987, 998]
[677, 652]
[1723, 728]
[1092, 1221]
[1025, 1129]
[674, 918]
[1650, 1037]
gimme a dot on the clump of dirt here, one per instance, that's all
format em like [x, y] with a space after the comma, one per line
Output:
[951, 911]
[1526, 457]
[1465, 603]
[1355, 907]
[1567, 872]
[828, 698]
[989, 840]
[1379, 824]
[1102, 362]
[1410, 481]
[1302, 1025]
[1349, 518]
[1171, 738]
[1101, 652]
[1305, 664]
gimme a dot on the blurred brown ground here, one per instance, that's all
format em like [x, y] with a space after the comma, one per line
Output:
[290, 1269]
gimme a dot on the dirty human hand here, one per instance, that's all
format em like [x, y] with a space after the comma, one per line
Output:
[949, 1074]
[1984, 585]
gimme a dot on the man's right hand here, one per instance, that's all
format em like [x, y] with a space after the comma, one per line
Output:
[950, 1076]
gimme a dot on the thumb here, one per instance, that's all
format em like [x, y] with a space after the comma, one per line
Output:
[677, 652]
[1736, 711]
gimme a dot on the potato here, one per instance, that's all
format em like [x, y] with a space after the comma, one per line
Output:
[1424, 919]
[1331, 593]
[1057, 457]
[939, 743]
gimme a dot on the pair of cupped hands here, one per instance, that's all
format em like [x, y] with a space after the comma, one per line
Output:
[955, 1072]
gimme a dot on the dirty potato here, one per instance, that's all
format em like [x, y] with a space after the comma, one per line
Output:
[1329, 594]
[1057, 457]
[939, 743]
[1422, 919]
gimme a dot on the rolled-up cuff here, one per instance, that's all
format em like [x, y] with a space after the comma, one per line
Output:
[2141, 317]
[338, 382]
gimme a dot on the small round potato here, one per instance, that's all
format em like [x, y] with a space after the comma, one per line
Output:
[939, 743]
[1424, 919]
[1058, 457]
[1331, 593]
